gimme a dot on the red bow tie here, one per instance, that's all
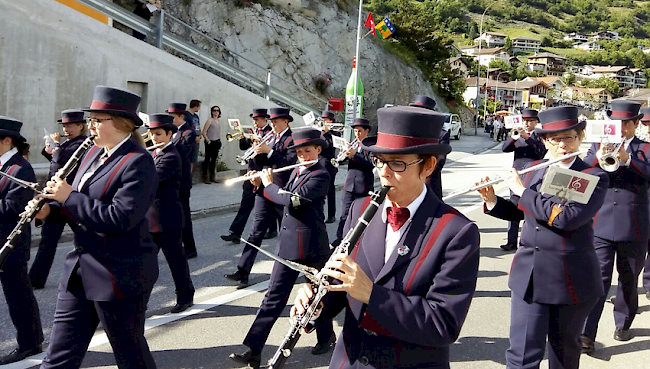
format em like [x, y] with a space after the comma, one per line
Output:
[396, 217]
[104, 158]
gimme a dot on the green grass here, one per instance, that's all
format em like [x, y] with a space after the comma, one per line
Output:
[565, 52]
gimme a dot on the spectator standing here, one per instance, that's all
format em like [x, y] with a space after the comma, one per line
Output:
[212, 140]
[193, 120]
[498, 125]
[142, 10]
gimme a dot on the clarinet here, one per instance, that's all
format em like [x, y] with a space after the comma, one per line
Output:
[30, 214]
[304, 321]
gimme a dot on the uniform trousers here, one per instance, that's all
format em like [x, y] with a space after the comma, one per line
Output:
[266, 215]
[629, 258]
[245, 208]
[275, 301]
[23, 308]
[646, 271]
[513, 232]
[50, 235]
[170, 244]
[188, 231]
[331, 190]
[346, 202]
[75, 321]
[530, 325]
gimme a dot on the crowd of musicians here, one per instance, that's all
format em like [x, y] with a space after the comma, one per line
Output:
[406, 286]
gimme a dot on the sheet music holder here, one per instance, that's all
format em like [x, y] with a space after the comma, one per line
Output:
[569, 185]
[608, 131]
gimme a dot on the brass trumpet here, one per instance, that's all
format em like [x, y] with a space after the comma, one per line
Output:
[146, 136]
[608, 157]
[343, 154]
[235, 136]
[251, 152]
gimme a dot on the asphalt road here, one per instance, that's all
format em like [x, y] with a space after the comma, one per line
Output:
[203, 336]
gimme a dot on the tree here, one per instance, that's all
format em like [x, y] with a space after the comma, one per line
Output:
[508, 45]
[569, 79]
[546, 42]
[608, 83]
[473, 33]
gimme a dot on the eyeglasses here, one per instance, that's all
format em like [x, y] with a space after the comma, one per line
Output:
[567, 140]
[95, 121]
[216, 110]
[397, 166]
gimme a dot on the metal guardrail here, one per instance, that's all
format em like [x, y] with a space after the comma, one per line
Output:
[167, 39]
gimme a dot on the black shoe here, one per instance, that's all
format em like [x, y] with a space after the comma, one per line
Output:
[38, 286]
[587, 344]
[621, 334]
[270, 235]
[18, 354]
[192, 255]
[247, 358]
[237, 276]
[330, 220]
[508, 247]
[231, 237]
[320, 348]
[243, 283]
[180, 307]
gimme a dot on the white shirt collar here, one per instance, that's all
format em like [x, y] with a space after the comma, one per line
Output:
[283, 132]
[160, 149]
[114, 149]
[8, 155]
[413, 206]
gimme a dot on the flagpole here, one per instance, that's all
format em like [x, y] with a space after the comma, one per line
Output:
[356, 81]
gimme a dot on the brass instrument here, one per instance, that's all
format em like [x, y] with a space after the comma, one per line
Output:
[239, 134]
[320, 124]
[608, 157]
[250, 153]
[259, 174]
[515, 133]
[343, 154]
[146, 136]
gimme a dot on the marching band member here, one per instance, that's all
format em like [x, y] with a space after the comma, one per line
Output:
[554, 278]
[408, 284]
[74, 127]
[646, 268]
[302, 238]
[165, 215]
[435, 179]
[621, 225]
[260, 118]
[327, 155]
[279, 153]
[528, 147]
[23, 308]
[109, 275]
[360, 179]
[185, 141]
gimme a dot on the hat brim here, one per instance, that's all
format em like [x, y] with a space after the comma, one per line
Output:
[367, 126]
[60, 121]
[423, 106]
[639, 116]
[136, 119]
[316, 141]
[579, 125]
[10, 133]
[370, 144]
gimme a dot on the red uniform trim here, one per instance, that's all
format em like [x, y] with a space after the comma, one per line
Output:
[12, 172]
[574, 297]
[364, 205]
[114, 172]
[90, 153]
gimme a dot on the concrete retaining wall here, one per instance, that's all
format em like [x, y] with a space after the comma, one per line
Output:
[52, 57]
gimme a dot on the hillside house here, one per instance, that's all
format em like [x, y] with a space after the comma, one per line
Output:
[487, 55]
[548, 63]
[491, 39]
[523, 44]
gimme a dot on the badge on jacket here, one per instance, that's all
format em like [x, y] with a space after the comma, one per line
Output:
[403, 250]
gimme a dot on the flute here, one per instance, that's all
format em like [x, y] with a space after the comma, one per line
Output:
[153, 147]
[259, 174]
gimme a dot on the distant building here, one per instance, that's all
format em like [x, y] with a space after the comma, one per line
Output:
[555, 83]
[458, 62]
[585, 96]
[548, 63]
[511, 94]
[491, 39]
[522, 44]
[604, 36]
[502, 75]
[576, 37]
[591, 45]
[487, 55]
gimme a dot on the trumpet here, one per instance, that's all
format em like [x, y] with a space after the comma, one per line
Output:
[250, 153]
[146, 136]
[239, 134]
[259, 174]
[343, 154]
[608, 157]
[320, 124]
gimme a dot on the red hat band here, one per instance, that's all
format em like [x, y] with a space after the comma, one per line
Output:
[559, 125]
[622, 114]
[100, 105]
[392, 141]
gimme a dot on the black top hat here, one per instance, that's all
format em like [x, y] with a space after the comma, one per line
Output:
[561, 118]
[72, 116]
[162, 121]
[307, 136]
[529, 114]
[260, 112]
[423, 101]
[646, 114]
[175, 107]
[116, 101]
[407, 130]
[280, 113]
[10, 127]
[625, 110]
[326, 114]
[361, 122]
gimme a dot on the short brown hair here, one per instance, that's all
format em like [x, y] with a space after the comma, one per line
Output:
[194, 103]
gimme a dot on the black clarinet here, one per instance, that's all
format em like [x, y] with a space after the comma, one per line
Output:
[304, 321]
[30, 214]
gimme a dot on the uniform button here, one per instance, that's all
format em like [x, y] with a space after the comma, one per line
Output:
[286, 215]
[79, 248]
[536, 248]
[284, 228]
[537, 228]
[615, 203]
[616, 190]
[364, 360]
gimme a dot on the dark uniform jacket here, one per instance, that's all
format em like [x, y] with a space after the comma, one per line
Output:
[114, 250]
[624, 214]
[360, 179]
[13, 199]
[165, 213]
[62, 154]
[302, 234]
[184, 142]
[419, 299]
[281, 157]
[554, 265]
[525, 151]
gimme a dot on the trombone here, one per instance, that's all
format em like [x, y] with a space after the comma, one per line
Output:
[343, 154]
[608, 157]
[251, 152]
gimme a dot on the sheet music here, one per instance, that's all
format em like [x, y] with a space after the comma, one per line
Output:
[570, 185]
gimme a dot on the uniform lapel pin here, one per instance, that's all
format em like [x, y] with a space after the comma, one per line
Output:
[403, 250]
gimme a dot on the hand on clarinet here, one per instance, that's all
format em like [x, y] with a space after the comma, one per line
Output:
[56, 189]
[302, 301]
[487, 193]
[353, 279]
[42, 214]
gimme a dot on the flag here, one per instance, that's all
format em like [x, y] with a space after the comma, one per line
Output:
[385, 28]
[370, 22]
